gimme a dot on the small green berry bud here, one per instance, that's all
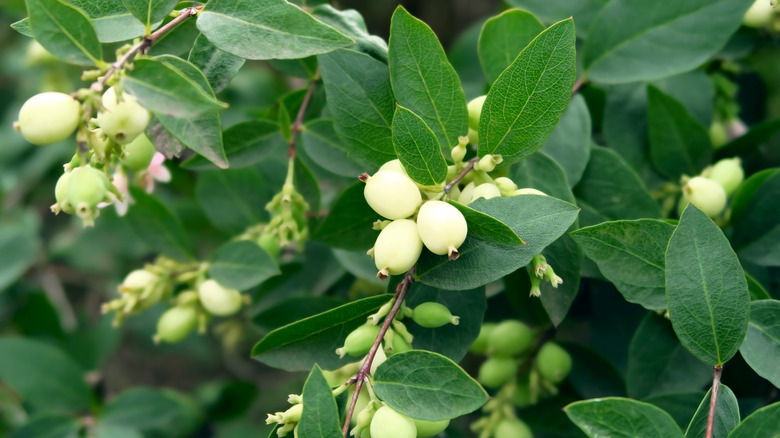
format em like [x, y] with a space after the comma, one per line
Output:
[61, 195]
[488, 163]
[388, 423]
[487, 191]
[497, 371]
[512, 428]
[359, 341]
[553, 362]
[505, 185]
[122, 120]
[176, 324]
[219, 300]
[137, 281]
[458, 153]
[467, 194]
[139, 153]
[433, 315]
[510, 338]
[528, 191]
[480, 345]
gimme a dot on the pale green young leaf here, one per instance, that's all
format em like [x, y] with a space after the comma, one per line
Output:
[503, 37]
[65, 31]
[417, 148]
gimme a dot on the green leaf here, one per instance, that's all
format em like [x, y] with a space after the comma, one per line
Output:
[427, 386]
[681, 405]
[503, 37]
[361, 101]
[49, 426]
[348, 223]
[23, 27]
[761, 349]
[566, 257]
[274, 29]
[320, 417]
[351, 23]
[233, 199]
[298, 346]
[155, 225]
[487, 228]
[423, 79]
[417, 148]
[322, 144]
[617, 194]
[202, 134]
[541, 172]
[726, 415]
[143, 409]
[756, 290]
[538, 220]
[246, 143]
[450, 340]
[19, 246]
[678, 143]
[760, 424]
[168, 87]
[43, 376]
[569, 143]
[757, 220]
[65, 31]
[242, 265]
[551, 11]
[527, 100]
[112, 21]
[706, 289]
[632, 40]
[103, 430]
[150, 11]
[658, 364]
[292, 309]
[594, 376]
[630, 254]
[217, 66]
[622, 417]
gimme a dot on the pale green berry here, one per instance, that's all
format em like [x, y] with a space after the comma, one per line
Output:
[270, 244]
[49, 117]
[480, 345]
[467, 194]
[427, 429]
[510, 338]
[473, 136]
[528, 191]
[497, 371]
[394, 165]
[137, 280]
[392, 194]
[759, 15]
[87, 187]
[397, 248]
[486, 190]
[442, 228]
[123, 120]
[705, 194]
[388, 423]
[718, 134]
[400, 344]
[433, 315]
[219, 300]
[176, 324]
[488, 162]
[512, 428]
[359, 341]
[553, 362]
[61, 195]
[728, 173]
[139, 153]
[505, 185]
[475, 111]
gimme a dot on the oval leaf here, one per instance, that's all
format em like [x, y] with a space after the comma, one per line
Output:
[427, 386]
[65, 31]
[761, 348]
[217, 66]
[615, 416]
[320, 418]
[569, 143]
[759, 424]
[757, 218]
[706, 291]
[242, 265]
[150, 11]
[503, 38]
[417, 148]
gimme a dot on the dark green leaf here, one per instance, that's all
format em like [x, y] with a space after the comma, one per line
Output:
[19, 246]
[427, 386]
[218, 66]
[321, 143]
[759, 424]
[106, 430]
[565, 257]
[348, 224]
[150, 11]
[503, 38]
[726, 415]
[155, 225]
[681, 405]
[320, 417]
[361, 100]
[594, 376]
[49, 426]
[487, 228]
[750, 141]
[298, 346]
[246, 143]
[43, 376]
[450, 340]
[112, 21]
[351, 23]
[678, 143]
[542, 173]
[65, 31]
[631, 41]
[423, 79]
[168, 87]
[23, 27]
[630, 254]
[293, 309]
[569, 143]
[757, 220]
[417, 148]
[274, 29]
[658, 364]
[761, 349]
[527, 100]
[551, 11]
[143, 409]
[706, 289]
[202, 134]
[233, 199]
[622, 417]
[756, 290]
[242, 265]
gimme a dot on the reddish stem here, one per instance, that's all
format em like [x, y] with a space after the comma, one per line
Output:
[297, 126]
[717, 370]
[461, 175]
[577, 85]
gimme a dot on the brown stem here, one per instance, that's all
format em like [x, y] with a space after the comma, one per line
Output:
[577, 85]
[297, 125]
[461, 175]
[365, 369]
[145, 44]
[717, 370]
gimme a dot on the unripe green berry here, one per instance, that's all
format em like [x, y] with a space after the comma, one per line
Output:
[176, 324]
[475, 111]
[388, 423]
[512, 428]
[430, 428]
[394, 165]
[359, 341]
[392, 194]
[270, 244]
[87, 187]
[442, 228]
[718, 134]
[123, 120]
[219, 300]
[497, 371]
[467, 194]
[510, 338]
[397, 248]
[433, 315]
[137, 280]
[759, 15]
[400, 345]
[488, 162]
[61, 194]
[49, 117]
[728, 173]
[473, 136]
[705, 194]
[486, 190]
[553, 362]
[139, 153]
[480, 345]
[505, 185]
[528, 191]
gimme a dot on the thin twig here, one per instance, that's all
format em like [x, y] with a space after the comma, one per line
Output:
[577, 85]
[717, 370]
[461, 175]
[297, 126]
[365, 369]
